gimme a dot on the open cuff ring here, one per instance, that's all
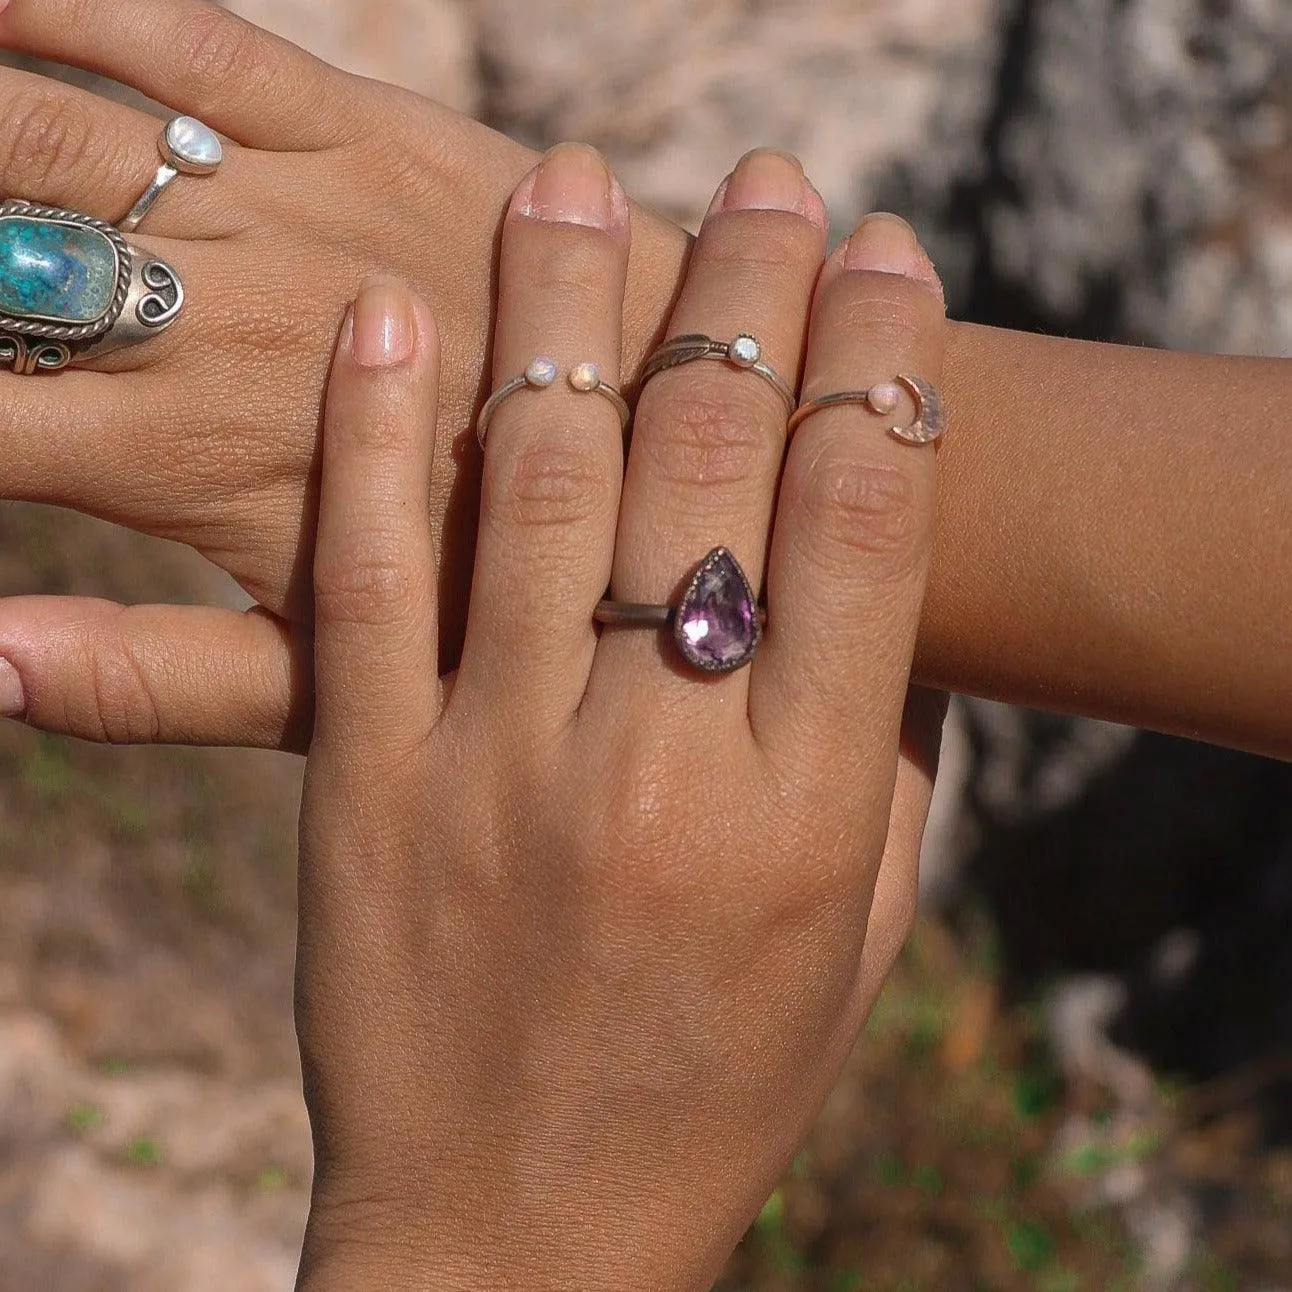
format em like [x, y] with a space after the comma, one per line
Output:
[744, 352]
[187, 148]
[540, 375]
[717, 623]
[930, 416]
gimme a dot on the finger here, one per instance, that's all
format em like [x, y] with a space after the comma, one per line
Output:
[708, 438]
[64, 146]
[553, 457]
[892, 911]
[376, 680]
[181, 675]
[196, 58]
[855, 520]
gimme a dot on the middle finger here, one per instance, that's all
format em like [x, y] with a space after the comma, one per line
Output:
[709, 438]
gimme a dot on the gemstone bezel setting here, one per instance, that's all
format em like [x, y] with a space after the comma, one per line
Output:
[62, 329]
[746, 632]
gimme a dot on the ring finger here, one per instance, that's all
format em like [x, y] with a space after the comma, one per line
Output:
[708, 438]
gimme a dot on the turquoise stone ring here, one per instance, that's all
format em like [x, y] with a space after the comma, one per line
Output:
[72, 287]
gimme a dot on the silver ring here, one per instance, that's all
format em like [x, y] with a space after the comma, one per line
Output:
[743, 352]
[930, 416]
[717, 623]
[72, 288]
[187, 148]
[541, 373]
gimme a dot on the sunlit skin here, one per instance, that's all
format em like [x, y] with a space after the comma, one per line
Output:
[1111, 539]
[585, 937]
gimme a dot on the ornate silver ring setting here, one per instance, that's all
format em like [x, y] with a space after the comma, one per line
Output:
[541, 374]
[717, 623]
[187, 148]
[743, 352]
[885, 398]
[72, 288]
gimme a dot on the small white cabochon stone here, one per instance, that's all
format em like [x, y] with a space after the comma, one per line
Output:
[541, 372]
[745, 351]
[885, 397]
[191, 143]
[585, 377]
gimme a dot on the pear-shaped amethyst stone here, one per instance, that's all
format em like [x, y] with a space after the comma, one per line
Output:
[717, 626]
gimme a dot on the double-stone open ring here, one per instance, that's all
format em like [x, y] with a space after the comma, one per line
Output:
[541, 374]
[72, 288]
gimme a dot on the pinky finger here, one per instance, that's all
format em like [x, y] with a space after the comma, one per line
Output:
[180, 675]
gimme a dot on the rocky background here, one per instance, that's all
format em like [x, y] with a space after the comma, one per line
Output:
[1082, 1075]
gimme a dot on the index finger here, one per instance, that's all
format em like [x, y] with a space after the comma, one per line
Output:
[854, 528]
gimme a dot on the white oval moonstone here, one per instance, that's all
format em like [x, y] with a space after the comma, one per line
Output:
[585, 377]
[192, 147]
[744, 351]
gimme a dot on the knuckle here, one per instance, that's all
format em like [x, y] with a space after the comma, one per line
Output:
[218, 48]
[50, 139]
[881, 313]
[759, 261]
[863, 508]
[537, 484]
[370, 586]
[124, 709]
[568, 266]
[704, 437]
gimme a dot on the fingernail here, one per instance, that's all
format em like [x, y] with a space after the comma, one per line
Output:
[767, 180]
[13, 701]
[886, 244]
[383, 325]
[572, 185]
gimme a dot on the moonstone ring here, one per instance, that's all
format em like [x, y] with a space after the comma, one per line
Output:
[187, 148]
[541, 375]
[885, 398]
[717, 624]
[744, 352]
[72, 288]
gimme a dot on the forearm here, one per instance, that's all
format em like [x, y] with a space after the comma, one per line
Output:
[1113, 536]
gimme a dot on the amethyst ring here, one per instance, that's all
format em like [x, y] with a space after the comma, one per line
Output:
[744, 352]
[930, 417]
[717, 624]
[540, 375]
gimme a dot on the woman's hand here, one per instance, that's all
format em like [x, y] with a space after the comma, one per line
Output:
[585, 936]
[209, 435]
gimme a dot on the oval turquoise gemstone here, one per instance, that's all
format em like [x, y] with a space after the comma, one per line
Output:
[60, 272]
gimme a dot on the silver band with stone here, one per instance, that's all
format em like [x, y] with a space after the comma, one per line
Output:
[187, 148]
[744, 352]
[885, 398]
[72, 288]
[717, 623]
[540, 375]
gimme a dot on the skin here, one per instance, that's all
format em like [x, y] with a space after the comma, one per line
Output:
[1111, 518]
[548, 995]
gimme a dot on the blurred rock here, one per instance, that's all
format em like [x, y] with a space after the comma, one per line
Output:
[1132, 180]
[674, 93]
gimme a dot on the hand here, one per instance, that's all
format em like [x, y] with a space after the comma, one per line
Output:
[207, 435]
[586, 937]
